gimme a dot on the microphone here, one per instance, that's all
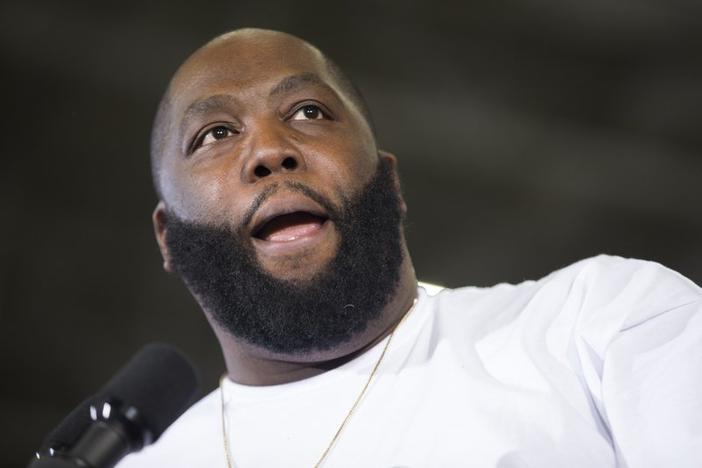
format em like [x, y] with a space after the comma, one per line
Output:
[130, 412]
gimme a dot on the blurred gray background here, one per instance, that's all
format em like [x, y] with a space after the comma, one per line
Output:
[531, 133]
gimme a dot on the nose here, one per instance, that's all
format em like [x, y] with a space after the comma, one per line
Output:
[272, 152]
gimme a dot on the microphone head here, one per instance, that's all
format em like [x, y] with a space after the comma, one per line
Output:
[159, 382]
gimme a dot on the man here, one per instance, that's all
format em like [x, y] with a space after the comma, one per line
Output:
[283, 219]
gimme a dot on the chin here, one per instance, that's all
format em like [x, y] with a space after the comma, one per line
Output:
[298, 269]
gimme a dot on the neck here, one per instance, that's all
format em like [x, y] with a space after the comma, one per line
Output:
[251, 365]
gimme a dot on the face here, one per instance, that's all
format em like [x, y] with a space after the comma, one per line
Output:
[251, 118]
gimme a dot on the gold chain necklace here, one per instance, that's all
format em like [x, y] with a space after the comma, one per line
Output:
[230, 462]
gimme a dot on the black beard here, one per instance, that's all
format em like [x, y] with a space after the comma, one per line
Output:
[296, 317]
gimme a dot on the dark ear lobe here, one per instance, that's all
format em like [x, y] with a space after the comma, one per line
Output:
[160, 231]
[391, 159]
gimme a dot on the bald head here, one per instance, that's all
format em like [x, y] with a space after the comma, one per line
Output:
[262, 140]
[241, 54]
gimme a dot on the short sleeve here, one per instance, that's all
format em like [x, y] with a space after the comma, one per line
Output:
[650, 393]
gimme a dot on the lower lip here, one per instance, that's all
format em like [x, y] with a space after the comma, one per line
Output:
[291, 246]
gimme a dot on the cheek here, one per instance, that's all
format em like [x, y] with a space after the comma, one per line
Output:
[201, 194]
[349, 161]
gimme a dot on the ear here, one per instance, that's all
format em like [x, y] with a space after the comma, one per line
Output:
[391, 159]
[159, 220]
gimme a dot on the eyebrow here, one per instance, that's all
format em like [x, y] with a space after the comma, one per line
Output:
[219, 101]
[202, 107]
[215, 102]
[293, 82]
[223, 101]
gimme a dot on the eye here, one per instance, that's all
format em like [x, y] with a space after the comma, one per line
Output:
[219, 132]
[308, 112]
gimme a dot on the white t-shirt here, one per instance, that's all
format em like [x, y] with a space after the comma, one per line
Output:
[596, 365]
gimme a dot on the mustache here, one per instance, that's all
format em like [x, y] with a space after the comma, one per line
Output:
[293, 186]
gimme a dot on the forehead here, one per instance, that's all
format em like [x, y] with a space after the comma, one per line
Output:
[242, 65]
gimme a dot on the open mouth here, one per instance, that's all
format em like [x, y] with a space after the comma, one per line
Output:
[290, 226]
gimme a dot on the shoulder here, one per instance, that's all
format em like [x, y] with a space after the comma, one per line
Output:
[634, 289]
[599, 279]
[620, 272]
[192, 440]
[600, 295]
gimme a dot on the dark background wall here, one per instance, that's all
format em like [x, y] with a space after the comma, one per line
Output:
[531, 133]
